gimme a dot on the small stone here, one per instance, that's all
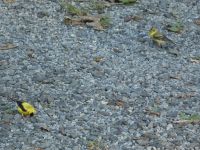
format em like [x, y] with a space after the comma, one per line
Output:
[39, 77]
[151, 148]
[169, 126]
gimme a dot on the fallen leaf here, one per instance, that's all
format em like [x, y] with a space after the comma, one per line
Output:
[150, 112]
[134, 18]
[92, 21]
[195, 59]
[3, 62]
[120, 103]
[173, 51]
[30, 53]
[197, 21]
[117, 50]
[98, 59]
[185, 95]
[62, 131]
[187, 122]
[6, 122]
[117, 102]
[178, 77]
[46, 129]
[7, 46]
[9, 1]
[39, 148]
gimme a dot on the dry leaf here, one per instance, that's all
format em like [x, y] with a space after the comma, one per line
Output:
[117, 50]
[197, 21]
[7, 46]
[44, 129]
[39, 148]
[62, 131]
[72, 21]
[92, 21]
[134, 18]
[9, 1]
[150, 112]
[6, 122]
[187, 122]
[195, 61]
[98, 59]
[3, 62]
[185, 95]
[178, 77]
[120, 103]
[125, 2]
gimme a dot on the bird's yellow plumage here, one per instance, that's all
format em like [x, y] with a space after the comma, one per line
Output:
[158, 38]
[25, 109]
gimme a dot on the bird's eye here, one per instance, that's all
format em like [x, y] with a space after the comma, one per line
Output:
[31, 114]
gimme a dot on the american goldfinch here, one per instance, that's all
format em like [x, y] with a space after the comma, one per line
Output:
[158, 38]
[25, 109]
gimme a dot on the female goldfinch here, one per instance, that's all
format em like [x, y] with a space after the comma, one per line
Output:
[158, 38]
[25, 109]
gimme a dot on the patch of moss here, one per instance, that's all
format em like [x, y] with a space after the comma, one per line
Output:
[128, 2]
[96, 145]
[72, 9]
[105, 21]
[176, 27]
[193, 117]
[99, 6]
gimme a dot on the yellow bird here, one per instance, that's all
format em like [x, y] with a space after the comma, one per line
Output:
[25, 109]
[158, 38]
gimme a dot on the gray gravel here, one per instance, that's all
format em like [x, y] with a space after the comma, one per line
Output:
[128, 101]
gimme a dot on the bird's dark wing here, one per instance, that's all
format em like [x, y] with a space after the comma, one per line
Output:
[19, 103]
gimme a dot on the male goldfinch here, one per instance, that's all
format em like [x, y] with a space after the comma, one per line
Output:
[25, 109]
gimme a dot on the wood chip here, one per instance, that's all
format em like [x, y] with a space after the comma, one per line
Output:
[197, 21]
[7, 46]
[178, 77]
[62, 131]
[187, 122]
[134, 18]
[186, 95]
[46, 129]
[39, 148]
[92, 21]
[9, 1]
[120, 103]
[195, 61]
[150, 112]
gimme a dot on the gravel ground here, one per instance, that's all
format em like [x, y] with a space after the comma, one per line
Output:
[129, 100]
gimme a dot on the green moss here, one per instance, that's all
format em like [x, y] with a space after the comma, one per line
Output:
[96, 145]
[196, 57]
[128, 2]
[75, 11]
[72, 9]
[105, 21]
[193, 117]
[99, 6]
[176, 27]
